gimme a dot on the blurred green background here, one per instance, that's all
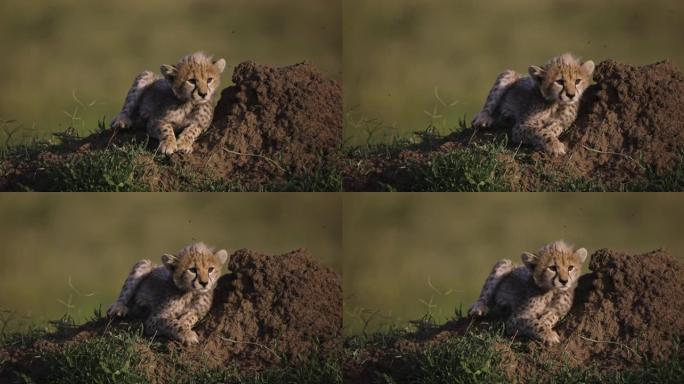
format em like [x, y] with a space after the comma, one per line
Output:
[409, 64]
[56, 248]
[70, 62]
[407, 255]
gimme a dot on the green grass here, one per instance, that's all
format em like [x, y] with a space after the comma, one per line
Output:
[476, 357]
[480, 167]
[123, 355]
[133, 167]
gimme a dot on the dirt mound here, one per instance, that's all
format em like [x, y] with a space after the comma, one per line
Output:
[268, 311]
[289, 117]
[272, 306]
[628, 307]
[631, 114]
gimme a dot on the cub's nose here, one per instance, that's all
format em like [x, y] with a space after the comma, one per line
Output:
[204, 283]
[563, 281]
[570, 95]
[202, 94]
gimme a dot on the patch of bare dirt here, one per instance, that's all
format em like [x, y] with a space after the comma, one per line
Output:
[630, 124]
[269, 310]
[272, 123]
[628, 310]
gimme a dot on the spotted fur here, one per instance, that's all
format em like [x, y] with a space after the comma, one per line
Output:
[536, 294]
[180, 102]
[173, 297]
[541, 105]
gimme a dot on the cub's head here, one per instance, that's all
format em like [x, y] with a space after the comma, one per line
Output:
[196, 267]
[556, 265]
[195, 77]
[563, 79]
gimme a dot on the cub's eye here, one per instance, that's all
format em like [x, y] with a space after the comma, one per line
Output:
[193, 270]
[560, 82]
[209, 80]
[211, 269]
[553, 268]
[570, 268]
[192, 81]
[578, 81]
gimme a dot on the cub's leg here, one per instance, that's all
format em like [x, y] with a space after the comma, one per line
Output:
[538, 328]
[202, 119]
[125, 118]
[179, 328]
[141, 269]
[500, 269]
[503, 81]
[543, 138]
[163, 131]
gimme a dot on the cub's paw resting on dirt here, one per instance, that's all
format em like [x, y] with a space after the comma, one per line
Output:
[117, 310]
[168, 147]
[121, 121]
[482, 120]
[184, 145]
[189, 337]
[478, 309]
[550, 338]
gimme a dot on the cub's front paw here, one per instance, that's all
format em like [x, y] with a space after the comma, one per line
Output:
[478, 309]
[555, 148]
[482, 120]
[168, 146]
[551, 338]
[117, 310]
[184, 145]
[121, 121]
[189, 337]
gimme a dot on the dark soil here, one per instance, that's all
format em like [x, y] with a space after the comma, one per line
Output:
[272, 123]
[288, 305]
[629, 310]
[630, 123]
[268, 311]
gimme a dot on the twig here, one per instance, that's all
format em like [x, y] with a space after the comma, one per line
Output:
[614, 153]
[255, 155]
[252, 343]
[610, 342]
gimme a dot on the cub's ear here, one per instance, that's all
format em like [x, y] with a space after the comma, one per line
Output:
[220, 64]
[588, 67]
[536, 72]
[222, 255]
[581, 254]
[169, 260]
[169, 71]
[529, 259]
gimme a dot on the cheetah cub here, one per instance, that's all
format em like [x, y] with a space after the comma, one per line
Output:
[540, 106]
[177, 103]
[535, 295]
[173, 297]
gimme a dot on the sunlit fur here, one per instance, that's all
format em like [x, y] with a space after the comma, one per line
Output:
[179, 103]
[171, 298]
[535, 295]
[538, 107]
